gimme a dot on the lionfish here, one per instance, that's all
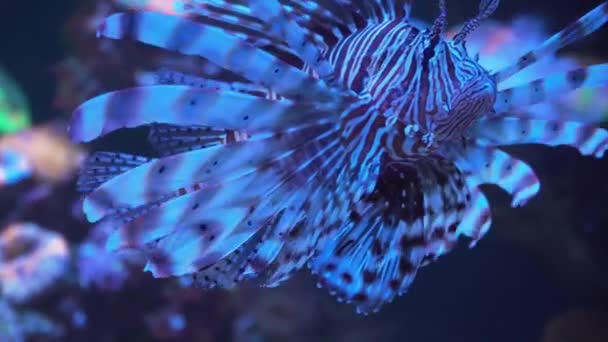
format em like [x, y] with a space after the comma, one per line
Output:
[336, 136]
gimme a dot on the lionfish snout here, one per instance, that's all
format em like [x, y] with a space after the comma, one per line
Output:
[452, 120]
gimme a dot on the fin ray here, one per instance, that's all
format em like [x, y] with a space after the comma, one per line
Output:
[551, 87]
[186, 106]
[234, 54]
[213, 165]
[100, 167]
[584, 26]
[489, 165]
[588, 139]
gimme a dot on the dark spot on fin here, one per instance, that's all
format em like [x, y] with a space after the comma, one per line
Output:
[577, 77]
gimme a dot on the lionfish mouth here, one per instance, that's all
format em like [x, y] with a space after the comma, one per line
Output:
[285, 154]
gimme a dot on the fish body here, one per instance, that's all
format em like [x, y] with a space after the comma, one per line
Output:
[338, 137]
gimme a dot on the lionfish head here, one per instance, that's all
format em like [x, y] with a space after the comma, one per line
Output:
[474, 89]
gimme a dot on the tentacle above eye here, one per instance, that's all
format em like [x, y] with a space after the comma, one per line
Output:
[486, 9]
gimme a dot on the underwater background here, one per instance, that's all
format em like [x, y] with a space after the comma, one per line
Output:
[540, 275]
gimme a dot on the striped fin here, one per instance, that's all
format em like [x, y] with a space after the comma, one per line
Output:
[231, 15]
[295, 251]
[367, 262]
[322, 14]
[289, 241]
[587, 138]
[169, 139]
[213, 165]
[238, 20]
[550, 87]
[288, 222]
[102, 166]
[288, 228]
[445, 201]
[265, 252]
[288, 169]
[584, 26]
[168, 76]
[375, 254]
[307, 237]
[489, 165]
[280, 24]
[227, 272]
[185, 211]
[186, 106]
[302, 234]
[224, 273]
[234, 54]
[180, 247]
[319, 217]
[477, 219]
[243, 263]
[242, 21]
[197, 230]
